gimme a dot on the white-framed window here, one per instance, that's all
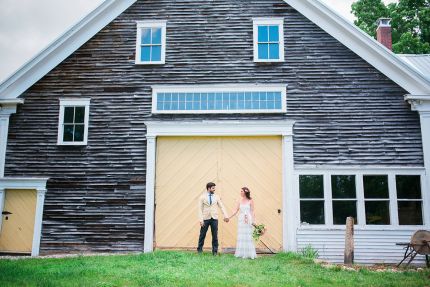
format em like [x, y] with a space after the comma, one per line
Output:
[376, 199]
[151, 42]
[372, 198]
[268, 39]
[344, 197]
[73, 121]
[311, 190]
[202, 99]
[409, 199]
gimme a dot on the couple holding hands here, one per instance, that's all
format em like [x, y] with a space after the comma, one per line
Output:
[208, 216]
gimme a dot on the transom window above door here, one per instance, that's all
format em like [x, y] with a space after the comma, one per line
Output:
[268, 39]
[219, 99]
[151, 42]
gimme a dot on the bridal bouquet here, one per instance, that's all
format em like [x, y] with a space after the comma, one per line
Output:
[259, 230]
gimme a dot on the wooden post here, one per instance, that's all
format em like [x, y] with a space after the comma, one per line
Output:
[349, 242]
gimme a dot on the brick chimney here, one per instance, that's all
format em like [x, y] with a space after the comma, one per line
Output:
[383, 32]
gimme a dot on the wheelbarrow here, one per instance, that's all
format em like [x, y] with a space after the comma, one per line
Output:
[419, 244]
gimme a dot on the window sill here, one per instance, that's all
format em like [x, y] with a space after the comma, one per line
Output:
[362, 227]
[150, 63]
[71, 144]
[268, 61]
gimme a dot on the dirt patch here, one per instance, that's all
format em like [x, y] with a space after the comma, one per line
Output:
[372, 268]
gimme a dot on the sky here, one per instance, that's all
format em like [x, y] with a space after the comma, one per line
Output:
[29, 26]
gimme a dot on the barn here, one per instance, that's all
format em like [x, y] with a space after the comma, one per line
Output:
[110, 134]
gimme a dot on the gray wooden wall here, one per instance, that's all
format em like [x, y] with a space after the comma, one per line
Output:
[347, 112]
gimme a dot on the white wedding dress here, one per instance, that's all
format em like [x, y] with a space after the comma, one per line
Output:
[245, 247]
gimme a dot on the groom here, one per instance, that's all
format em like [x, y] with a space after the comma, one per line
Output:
[208, 216]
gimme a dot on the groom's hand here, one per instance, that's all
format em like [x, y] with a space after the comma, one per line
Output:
[201, 223]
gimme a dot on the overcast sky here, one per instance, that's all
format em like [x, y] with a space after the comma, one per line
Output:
[28, 26]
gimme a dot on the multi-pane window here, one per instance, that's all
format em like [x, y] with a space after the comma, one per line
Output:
[344, 198]
[268, 40]
[73, 122]
[150, 45]
[151, 42]
[376, 199]
[409, 199]
[311, 199]
[370, 199]
[220, 100]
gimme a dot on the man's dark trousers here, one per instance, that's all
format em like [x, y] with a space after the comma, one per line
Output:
[213, 223]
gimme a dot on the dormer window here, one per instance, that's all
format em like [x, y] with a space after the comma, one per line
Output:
[268, 39]
[151, 42]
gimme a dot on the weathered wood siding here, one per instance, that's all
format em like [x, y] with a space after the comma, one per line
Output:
[346, 111]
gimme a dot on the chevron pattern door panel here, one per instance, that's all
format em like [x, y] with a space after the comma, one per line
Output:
[257, 164]
[185, 164]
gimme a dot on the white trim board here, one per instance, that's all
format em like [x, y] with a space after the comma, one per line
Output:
[359, 169]
[7, 107]
[39, 184]
[422, 105]
[282, 128]
[219, 128]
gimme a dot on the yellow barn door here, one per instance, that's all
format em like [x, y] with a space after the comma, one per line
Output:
[185, 164]
[16, 234]
[257, 164]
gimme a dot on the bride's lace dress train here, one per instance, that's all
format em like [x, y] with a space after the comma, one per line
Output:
[245, 247]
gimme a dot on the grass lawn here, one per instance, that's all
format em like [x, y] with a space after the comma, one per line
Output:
[168, 268]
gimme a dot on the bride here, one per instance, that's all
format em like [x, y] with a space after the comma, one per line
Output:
[245, 247]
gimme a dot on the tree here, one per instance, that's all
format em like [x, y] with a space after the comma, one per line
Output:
[367, 12]
[410, 22]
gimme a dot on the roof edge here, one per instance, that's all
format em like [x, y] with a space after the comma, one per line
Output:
[363, 45]
[62, 47]
[417, 97]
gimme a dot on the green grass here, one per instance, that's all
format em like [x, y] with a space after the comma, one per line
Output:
[168, 268]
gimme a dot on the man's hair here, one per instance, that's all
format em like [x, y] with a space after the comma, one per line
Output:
[209, 185]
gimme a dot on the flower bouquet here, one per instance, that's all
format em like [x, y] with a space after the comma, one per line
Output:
[259, 230]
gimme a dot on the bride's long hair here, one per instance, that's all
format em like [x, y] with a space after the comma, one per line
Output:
[247, 192]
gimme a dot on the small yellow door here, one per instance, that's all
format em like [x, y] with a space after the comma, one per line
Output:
[16, 234]
[185, 164]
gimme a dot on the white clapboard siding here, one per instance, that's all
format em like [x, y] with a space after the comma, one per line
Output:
[370, 246]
